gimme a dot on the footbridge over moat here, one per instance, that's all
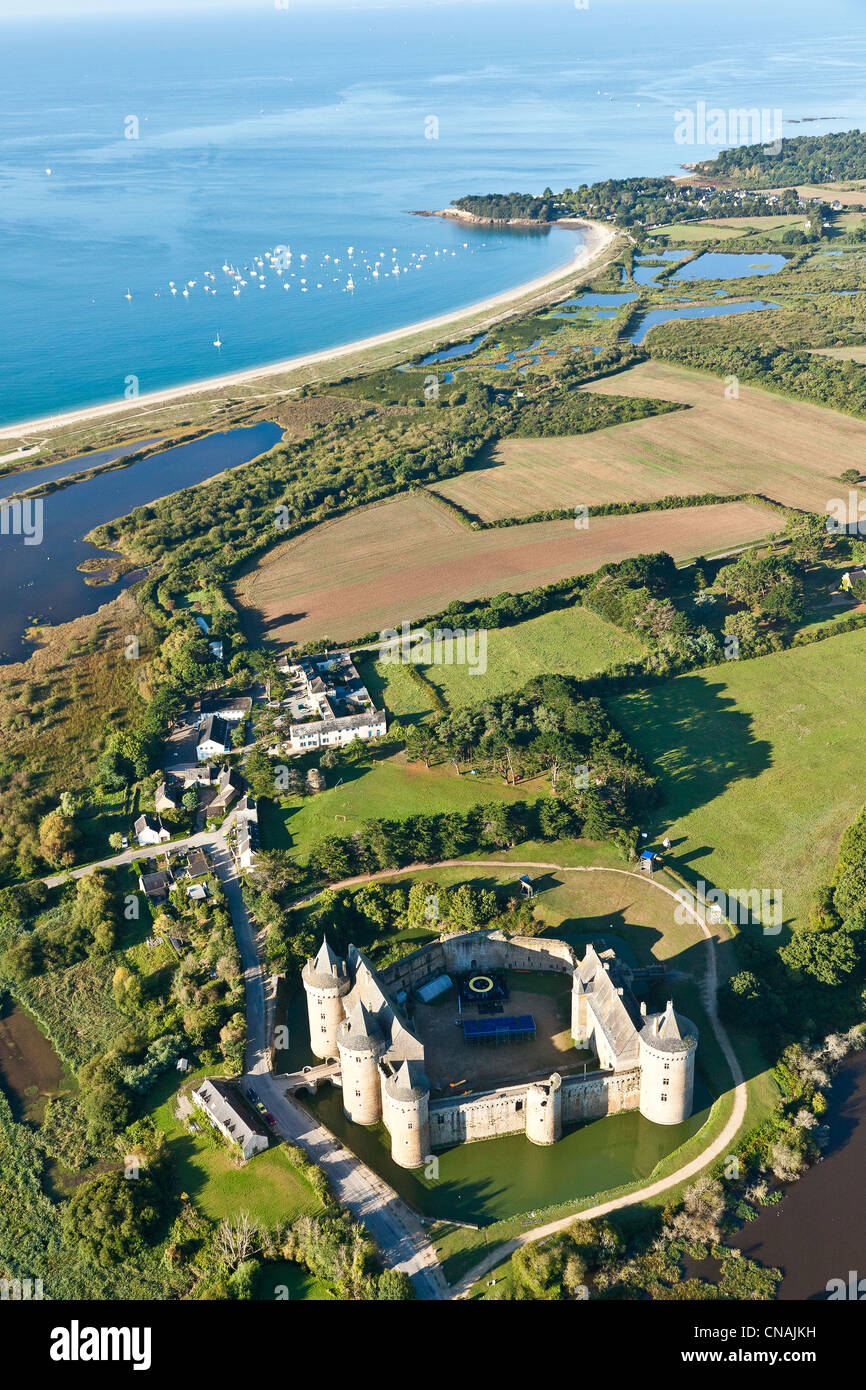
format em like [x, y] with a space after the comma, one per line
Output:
[310, 1078]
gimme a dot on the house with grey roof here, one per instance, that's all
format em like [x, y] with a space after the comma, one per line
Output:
[229, 1113]
[214, 738]
[149, 830]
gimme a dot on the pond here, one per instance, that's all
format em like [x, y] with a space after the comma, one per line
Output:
[459, 350]
[728, 265]
[818, 1231]
[30, 1070]
[496, 1179]
[654, 317]
[40, 581]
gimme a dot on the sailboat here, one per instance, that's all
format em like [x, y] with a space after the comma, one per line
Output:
[128, 294]
[216, 341]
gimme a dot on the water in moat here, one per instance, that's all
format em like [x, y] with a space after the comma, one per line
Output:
[496, 1179]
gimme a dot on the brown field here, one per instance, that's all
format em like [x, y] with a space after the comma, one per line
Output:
[843, 354]
[760, 443]
[408, 558]
[851, 192]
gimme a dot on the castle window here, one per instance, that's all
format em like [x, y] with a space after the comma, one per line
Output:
[666, 1081]
[664, 1097]
[410, 1126]
[667, 1066]
[518, 1105]
[322, 1016]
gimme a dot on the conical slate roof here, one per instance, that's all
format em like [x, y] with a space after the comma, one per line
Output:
[670, 1031]
[358, 1031]
[326, 967]
[408, 1082]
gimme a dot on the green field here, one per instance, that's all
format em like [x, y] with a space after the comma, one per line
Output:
[567, 641]
[269, 1187]
[760, 763]
[724, 229]
[391, 789]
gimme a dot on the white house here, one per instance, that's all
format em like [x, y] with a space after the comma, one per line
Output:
[149, 830]
[341, 706]
[223, 1108]
[213, 739]
[336, 733]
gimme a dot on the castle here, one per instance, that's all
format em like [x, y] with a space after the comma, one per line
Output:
[646, 1062]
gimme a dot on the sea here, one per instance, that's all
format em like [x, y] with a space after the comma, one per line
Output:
[142, 152]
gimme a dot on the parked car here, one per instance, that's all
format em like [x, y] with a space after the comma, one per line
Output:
[252, 1095]
[124, 843]
[269, 1117]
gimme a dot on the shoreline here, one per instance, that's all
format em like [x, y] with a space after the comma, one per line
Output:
[598, 237]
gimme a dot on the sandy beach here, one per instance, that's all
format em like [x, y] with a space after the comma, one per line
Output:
[597, 238]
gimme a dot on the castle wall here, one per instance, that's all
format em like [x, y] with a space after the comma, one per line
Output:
[513, 1110]
[494, 951]
[598, 1094]
[415, 969]
[481, 1116]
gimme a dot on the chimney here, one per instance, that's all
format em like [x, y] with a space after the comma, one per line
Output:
[643, 1008]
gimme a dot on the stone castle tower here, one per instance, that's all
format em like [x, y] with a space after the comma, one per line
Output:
[360, 1045]
[406, 1113]
[544, 1111]
[381, 1062]
[667, 1045]
[326, 981]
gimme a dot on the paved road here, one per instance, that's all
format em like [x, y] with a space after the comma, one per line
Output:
[396, 1229]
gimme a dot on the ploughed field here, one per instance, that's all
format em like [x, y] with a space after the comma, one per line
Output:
[404, 559]
[761, 442]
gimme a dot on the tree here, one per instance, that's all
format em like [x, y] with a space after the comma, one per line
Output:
[827, 956]
[56, 839]
[108, 1220]
[237, 1240]
[394, 1285]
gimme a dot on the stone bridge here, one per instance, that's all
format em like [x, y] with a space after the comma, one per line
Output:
[310, 1078]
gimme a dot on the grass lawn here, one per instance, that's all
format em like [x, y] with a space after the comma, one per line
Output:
[568, 641]
[760, 763]
[727, 228]
[390, 788]
[269, 1187]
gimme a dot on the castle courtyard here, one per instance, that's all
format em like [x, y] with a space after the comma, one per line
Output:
[455, 1066]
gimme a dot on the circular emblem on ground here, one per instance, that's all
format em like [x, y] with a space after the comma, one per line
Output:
[481, 984]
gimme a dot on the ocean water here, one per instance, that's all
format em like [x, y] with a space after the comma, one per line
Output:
[319, 129]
